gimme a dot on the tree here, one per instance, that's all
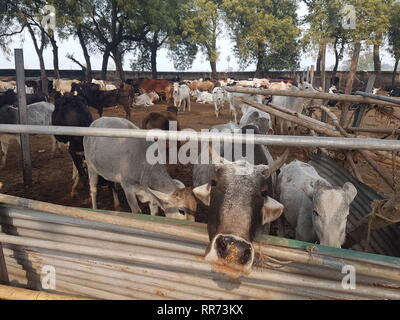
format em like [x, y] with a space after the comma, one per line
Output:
[365, 60]
[201, 26]
[28, 14]
[9, 27]
[114, 25]
[394, 38]
[372, 18]
[73, 18]
[265, 32]
[325, 27]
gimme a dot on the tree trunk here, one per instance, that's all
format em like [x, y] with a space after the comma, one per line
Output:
[88, 70]
[153, 59]
[336, 67]
[319, 61]
[260, 61]
[323, 69]
[106, 56]
[350, 80]
[395, 71]
[39, 51]
[55, 57]
[377, 64]
[43, 76]
[213, 65]
[118, 63]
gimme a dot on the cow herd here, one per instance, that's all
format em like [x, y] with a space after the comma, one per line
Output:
[238, 204]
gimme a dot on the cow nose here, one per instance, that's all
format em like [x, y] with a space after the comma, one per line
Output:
[233, 250]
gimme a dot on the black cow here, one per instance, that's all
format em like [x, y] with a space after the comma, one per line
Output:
[11, 98]
[395, 92]
[8, 98]
[102, 99]
[72, 111]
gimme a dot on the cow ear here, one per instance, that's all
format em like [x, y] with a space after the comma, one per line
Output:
[350, 192]
[203, 193]
[161, 195]
[271, 210]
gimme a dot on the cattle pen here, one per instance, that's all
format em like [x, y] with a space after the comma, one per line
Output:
[98, 254]
[110, 255]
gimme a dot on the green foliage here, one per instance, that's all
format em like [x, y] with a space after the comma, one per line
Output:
[182, 54]
[394, 31]
[264, 31]
[201, 26]
[142, 61]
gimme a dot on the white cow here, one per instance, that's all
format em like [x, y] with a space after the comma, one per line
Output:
[123, 161]
[181, 96]
[235, 106]
[104, 86]
[260, 119]
[205, 98]
[37, 113]
[218, 95]
[316, 209]
[292, 103]
[63, 86]
[146, 99]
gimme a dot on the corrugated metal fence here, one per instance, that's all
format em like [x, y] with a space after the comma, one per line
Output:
[101, 256]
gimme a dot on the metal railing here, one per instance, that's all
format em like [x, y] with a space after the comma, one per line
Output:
[272, 140]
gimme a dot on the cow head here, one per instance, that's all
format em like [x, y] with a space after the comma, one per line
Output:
[330, 212]
[180, 204]
[238, 205]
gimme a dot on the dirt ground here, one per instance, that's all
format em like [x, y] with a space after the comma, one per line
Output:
[52, 176]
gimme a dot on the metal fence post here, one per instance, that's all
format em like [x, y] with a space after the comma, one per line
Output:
[23, 119]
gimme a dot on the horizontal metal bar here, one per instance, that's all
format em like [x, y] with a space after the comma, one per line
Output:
[286, 141]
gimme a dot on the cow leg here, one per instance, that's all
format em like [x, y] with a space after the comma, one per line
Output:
[55, 145]
[153, 208]
[75, 180]
[130, 193]
[188, 103]
[4, 150]
[93, 180]
[216, 110]
[280, 223]
[117, 204]
[5, 142]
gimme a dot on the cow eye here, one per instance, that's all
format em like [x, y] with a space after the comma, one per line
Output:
[214, 183]
[315, 213]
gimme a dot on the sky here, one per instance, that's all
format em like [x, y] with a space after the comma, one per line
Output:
[71, 46]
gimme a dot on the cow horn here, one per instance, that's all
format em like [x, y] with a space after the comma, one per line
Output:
[278, 163]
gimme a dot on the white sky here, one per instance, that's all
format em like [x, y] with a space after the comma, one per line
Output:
[72, 46]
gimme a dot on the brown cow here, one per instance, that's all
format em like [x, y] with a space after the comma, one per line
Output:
[160, 86]
[202, 86]
[160, 120]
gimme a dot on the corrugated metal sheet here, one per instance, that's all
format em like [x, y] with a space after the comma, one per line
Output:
[109, 261]
[384, 241]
